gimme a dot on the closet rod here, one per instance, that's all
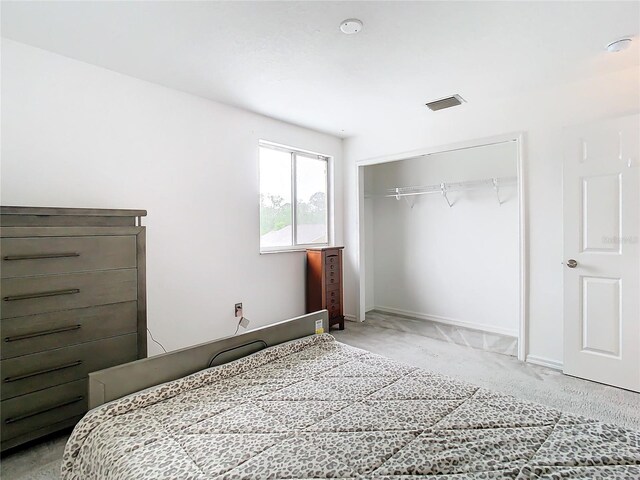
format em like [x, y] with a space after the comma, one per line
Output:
[444, 187]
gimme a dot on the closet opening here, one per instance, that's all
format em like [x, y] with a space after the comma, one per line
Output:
[442, 245]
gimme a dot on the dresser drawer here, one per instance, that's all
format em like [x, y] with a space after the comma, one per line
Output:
[23, 257]
[37, 333]
[41, 409]
[332, 277]
[334, 311]
[333, 267]
[21, 375]
[332, 258]
[334, 305]
[51, 293]
[333, 301]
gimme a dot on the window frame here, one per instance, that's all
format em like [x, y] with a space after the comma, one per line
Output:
[294, 152]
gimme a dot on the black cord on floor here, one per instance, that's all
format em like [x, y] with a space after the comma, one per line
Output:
[157, 342]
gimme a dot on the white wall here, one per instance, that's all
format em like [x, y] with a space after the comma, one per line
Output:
[542, 116]
[75, 135]
[456, 264]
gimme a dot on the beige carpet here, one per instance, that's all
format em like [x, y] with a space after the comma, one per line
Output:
[41, 461]
[496, 371]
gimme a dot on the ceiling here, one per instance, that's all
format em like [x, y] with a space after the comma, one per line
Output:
[289, 60]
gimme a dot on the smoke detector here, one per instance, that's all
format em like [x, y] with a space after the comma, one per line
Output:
[350, 26]
[619, 45]
[447, 102]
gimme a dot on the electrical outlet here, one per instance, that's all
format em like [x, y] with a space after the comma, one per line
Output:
[238, 310]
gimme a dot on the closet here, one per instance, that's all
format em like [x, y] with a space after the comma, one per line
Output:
[441, 245]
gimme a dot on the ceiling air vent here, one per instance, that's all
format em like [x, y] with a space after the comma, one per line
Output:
[447, 102]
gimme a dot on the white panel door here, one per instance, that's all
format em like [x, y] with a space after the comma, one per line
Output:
[601, 186]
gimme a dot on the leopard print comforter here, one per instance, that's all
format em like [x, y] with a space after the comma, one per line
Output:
[315, 408]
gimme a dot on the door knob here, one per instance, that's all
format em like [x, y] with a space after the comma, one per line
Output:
[571, 263]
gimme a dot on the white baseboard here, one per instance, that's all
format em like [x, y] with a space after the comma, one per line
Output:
[351, 318]
[544, 362]
[448, 321]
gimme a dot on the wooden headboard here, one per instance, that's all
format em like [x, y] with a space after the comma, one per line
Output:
[121, 380]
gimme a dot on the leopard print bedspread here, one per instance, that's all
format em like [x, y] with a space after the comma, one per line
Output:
[315, 408]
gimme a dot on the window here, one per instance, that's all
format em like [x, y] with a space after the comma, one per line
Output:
[290, 177]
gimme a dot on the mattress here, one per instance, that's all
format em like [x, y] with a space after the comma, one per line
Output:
[315, 408]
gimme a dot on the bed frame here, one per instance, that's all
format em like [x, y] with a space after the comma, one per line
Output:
[116, 382]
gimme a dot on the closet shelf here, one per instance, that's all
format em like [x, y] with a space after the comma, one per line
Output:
[444, 188]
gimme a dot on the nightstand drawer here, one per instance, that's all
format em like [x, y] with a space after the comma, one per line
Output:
[47, 331]
[52, 293]
[26, 374]
[24, 414]
[22, 257]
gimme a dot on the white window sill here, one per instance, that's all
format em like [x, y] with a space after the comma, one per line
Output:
[297, 248]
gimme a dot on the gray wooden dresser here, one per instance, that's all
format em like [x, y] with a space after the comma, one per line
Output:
[73, 301]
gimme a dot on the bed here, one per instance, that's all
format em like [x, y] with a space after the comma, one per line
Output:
[311, 407]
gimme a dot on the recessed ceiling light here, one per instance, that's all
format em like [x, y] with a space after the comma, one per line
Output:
[619, 45]
[351, 26]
